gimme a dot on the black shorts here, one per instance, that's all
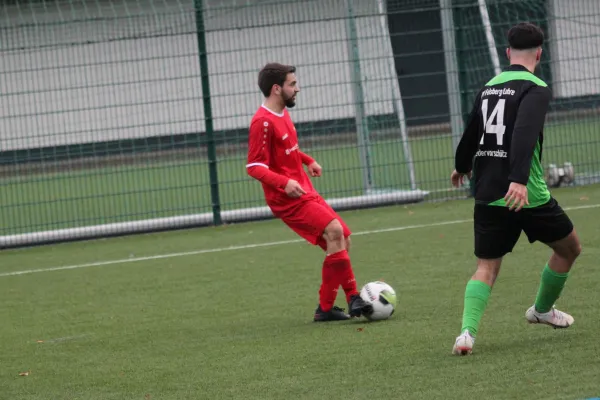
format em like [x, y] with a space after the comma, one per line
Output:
[497, 229]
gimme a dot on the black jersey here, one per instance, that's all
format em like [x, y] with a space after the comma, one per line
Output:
[505, 135]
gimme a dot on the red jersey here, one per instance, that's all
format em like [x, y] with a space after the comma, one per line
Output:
[274, 157]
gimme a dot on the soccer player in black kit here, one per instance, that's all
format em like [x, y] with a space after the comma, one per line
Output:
[502, 147]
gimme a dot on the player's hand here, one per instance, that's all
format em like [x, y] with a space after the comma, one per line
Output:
[458, 179]
[516, 197]
[314, 169]
[293, 189]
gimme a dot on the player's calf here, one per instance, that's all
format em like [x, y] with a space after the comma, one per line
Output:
[477, 293]
[337, 254]
[552, 282]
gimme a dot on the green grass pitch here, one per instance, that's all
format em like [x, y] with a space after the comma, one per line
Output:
[237, 323]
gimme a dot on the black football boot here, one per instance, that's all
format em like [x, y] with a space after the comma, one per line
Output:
[359, 307]
[335, 314]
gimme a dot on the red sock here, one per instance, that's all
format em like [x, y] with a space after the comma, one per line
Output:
[343, 271]
[329, 285]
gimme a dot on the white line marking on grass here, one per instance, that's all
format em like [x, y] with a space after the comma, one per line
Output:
[248, 246]
[147, 258]
[62, 339]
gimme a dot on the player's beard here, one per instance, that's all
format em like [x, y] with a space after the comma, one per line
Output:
[289, 102]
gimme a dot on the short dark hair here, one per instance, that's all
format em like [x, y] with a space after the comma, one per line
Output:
[524, 36]
[273, 74]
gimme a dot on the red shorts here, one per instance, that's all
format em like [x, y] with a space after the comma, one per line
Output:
[310, 218]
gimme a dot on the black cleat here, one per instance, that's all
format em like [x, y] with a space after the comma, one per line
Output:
[359, 307]
[335, 314]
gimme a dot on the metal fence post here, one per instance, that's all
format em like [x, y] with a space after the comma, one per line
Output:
[208, 119]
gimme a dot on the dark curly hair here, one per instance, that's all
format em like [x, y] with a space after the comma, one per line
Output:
[273, 74]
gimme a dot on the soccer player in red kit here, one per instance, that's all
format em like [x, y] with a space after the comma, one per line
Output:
[275, 159]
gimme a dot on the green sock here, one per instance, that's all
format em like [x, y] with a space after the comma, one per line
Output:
[476, 298]
[551, 286]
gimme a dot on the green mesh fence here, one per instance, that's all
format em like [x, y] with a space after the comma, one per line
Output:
[104, 105]
[569, 66]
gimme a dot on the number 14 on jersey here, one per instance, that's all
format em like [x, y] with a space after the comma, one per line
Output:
[494, 124]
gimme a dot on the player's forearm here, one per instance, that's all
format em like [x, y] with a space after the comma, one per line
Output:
[465, 151]
[306, 159]
[526, 132]
[267, 176]
[463, 163]
[522, 149]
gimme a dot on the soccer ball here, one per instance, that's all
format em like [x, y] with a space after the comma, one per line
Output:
[382, 297]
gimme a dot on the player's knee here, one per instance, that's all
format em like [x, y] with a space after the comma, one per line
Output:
[575, 250]
[487, 270]
[334, 232]
[569, 248]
